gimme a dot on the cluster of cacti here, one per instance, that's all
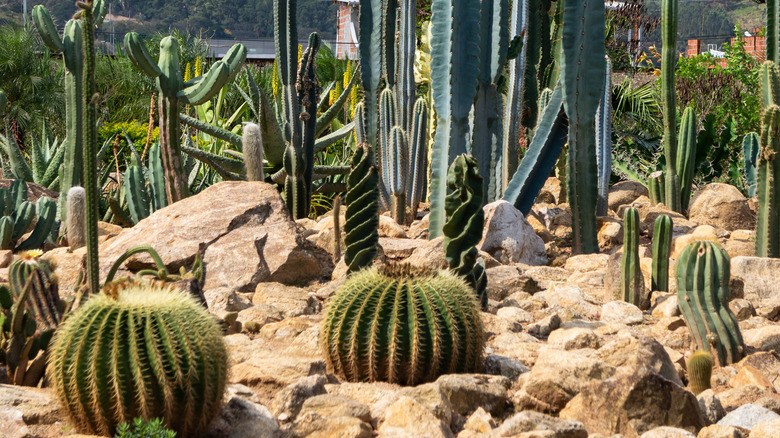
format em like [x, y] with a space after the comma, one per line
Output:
[173, 90]
[141, 352]
[702, 274]
[662, 250]
[46, 156]
[465, 220]
[700, 371]
[145, 187]
[402, 325]
[632, 281]
[18, 215]
[361, 221]
[768, 221]
[30, 311]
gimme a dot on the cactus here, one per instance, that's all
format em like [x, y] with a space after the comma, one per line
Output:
[18, 215]
[631, 280]
[172, 90]
[361, 222]
[686, 155]
[655, 187]
[750, 150]
[252, 147]
[768, 223]
[700, 371]
[583, 73]
[668, 65]
[662, 250]
[514, 98]
[143, 352]
[771, 31]
[145, 188]
[604, 142]
[30, 311]
[75, 219]
[418, 155]
[374, 331]
[397, 172]
[465, 220]
[702, 274]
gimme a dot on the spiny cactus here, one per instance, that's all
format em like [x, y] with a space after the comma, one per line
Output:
[668, 66]
[700, 371]
[768, 221]
[145, 188]
[750, 149]
[144, 352]
[702, 274]
[631, 279]
[465, 220]
[771, 31]
[76, 210]
[655, 187]
[604, 142]
[252, 147]
[362, 216]
[686, 155]
[402, 325]
[662, 250]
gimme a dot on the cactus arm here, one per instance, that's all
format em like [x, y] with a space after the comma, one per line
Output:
[46, 28]
[686, 155]
[389, 46]
[214, 131]
[74, 114]
[325, 119]
[604, 142]
[99, 11]
[541, 156]
[214, 160]
[50, 177]
[583, 73]
[216, 78]
[387, 120]
[407, 45]
[662, 249]
[514, 100]
[326, 141]
[532, 47]
[273, 139]
[397, 172]
[139, 56]
[307, 94]
[136, 194]
[750, 150]
[454, 71]
[371, 63]
[771, 31]
[234, 59]
[19, 165]
[668, 65]
[286, 40]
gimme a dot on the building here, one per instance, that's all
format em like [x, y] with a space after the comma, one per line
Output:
[754, 45]
[348, 28]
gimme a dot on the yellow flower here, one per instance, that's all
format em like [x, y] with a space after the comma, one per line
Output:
[198, 67]
[187, 75]
[657, 72]
[300, 53]
[334, 93]
[348, 74]
[275, 80]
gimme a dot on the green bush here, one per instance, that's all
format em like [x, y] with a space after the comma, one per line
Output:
[155, 428]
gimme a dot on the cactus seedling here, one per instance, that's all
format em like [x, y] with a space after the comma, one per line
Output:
[700, 371]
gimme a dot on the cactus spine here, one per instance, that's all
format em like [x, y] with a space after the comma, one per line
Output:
[76, 227]
[662, 250]
[702, 274]
[145, 352]
[750, 149]
[686, 155]
[700, 371]
[252, 147]
[465, 220]
[402, 326]
[668, 64]
[583, 77]
[604, 142]
[361, 223]
[631, 279]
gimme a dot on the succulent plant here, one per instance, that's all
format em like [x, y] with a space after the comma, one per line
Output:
[702, 274]
[750, 150]
[402, 325]
[361, 221]
[18, 215]
[686, 155]
[668, 65]
[768, 220]
[252, 147]
[604, 142]
[631, 280]
[700, 371]
[145, 187]
[143, 352]
[662, 250]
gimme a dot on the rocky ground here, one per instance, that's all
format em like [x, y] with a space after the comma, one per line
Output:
[564, 358]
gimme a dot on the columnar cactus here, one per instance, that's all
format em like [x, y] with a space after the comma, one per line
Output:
[655, 187]
[662, 250]
[252, 148]
[668, 65]
[771, 31]
[700, 371]
[604, 142]
[750, 149]
[518, 25]
[702, 274]
[402, 325]
[362, 216]
[631, 279]
[768, 223]
[173, 90]
[465, 220]
[686, 155]
[143, 352]
[76, 227]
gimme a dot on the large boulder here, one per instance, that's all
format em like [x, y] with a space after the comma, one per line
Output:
[722, 206]
[624, 193]
[509, 237]
[759, 275]
[242, 230]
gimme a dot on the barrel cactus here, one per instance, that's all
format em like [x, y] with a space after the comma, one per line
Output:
[141, 351]
[402, 325]
[700, 371]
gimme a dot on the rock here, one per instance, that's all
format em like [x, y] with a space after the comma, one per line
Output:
[390, 228]
[665, 305]
[291, 301]
[733, 398]
[226, 299]
[515, 317]
[621, 312]
[407, 418]
[245, 237]
[325, 237]
[509, 238]
[625, 193]
[419, 228]
[610, 233]
[480, 421]
[366, 393]
[68, 265]
[530, 421]
[742, 309]
[575, 338]
[749, 375]
[38, 406]
[289, 401]
[767, 362]
[715, 431]
[759, 275]
[748, 416]
[637, 355]
[467, 392]
[767, 429]
[667, 432]
[543, 328]
[632, 403]
[430, 254]
[506, 280]
[329, 405]
[260, 315]
[312, 425]
[6, 256]
[508, 367]
[586, 262]
[552, 191]
[12, 424]
[243, 417]
[398, 249]
[723, 206]
[766, 338]
[702, 232]
[710, 406]
[429, 395]
[572, 297]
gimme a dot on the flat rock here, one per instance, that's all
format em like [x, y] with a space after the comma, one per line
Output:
[329, 405]
[467, 392]
[748, 416]
[621, 312]
[667, 432]
[767, 429]
[715, 431]
[312, 425]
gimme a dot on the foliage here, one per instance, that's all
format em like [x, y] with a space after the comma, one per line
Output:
[135, 130]
[154, 428]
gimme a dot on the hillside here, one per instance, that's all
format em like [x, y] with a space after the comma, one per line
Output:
[215, 18]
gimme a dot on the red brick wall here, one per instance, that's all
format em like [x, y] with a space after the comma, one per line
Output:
[344, 44]
[755, 46]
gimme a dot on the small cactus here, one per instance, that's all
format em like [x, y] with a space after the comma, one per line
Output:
[662, 250]
[700, 371]
[402, 325]
[76, 210]
[631, 279]
[145, 352]
[252, 146]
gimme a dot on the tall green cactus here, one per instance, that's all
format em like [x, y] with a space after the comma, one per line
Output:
[418, 154]
[750, 150]
[768, 223]
[686, 155]
[702, 274]
[632, 282]
[465, 221]
[662, 250]
[373, 331]
[173, 90]
[514, 97]
[604, 142]
[771, 31]
[397, 171]
[668, 65]
[582, 77]
[362, 216]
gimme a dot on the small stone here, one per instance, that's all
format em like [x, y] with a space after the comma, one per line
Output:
[710, 406]
[665, 305]
[543, 328]
[329, 405]
[407, 418]
[515, 317]
[621, 312]
[575, 338]
[466, 392]
[747, 416]
[480, 421]
[667, 432]
[312, 425]
[765, 339]
[742, 308]
[509, 238]
[715, 431]
[508, 367]
[289, 401]
[749, 375]
[530, 421]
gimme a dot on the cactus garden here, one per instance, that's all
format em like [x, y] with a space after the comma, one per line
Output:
[483, 218]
